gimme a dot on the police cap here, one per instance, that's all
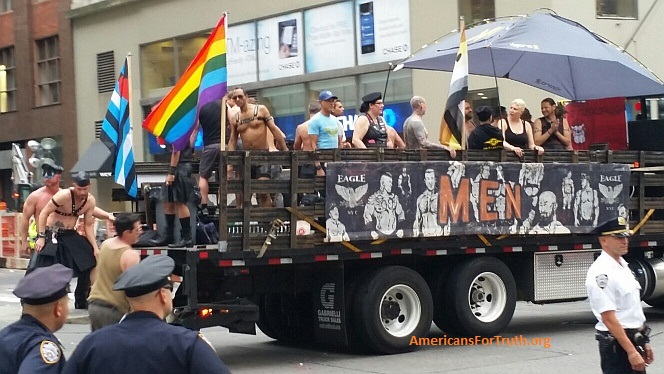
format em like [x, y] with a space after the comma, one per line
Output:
[81, 178]
[372, 97]
[615, 227]
[44, 285]
[148, 275]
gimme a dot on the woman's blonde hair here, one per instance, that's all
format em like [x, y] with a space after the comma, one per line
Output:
[520, 103]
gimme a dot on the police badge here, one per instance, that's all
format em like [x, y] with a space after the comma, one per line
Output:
[601, 280]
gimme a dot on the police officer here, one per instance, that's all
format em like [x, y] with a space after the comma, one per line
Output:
[29, 346]
[142, 342]
[615, 300]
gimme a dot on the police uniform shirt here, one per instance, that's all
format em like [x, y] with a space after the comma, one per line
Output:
[27, 346]
[143, 343]
[612, 286]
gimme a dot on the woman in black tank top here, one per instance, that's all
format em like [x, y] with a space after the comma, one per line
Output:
[517, 132]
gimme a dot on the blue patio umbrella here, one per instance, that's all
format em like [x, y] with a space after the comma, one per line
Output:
[546, 51]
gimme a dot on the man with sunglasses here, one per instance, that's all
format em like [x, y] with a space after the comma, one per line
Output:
[251, 125]
[142, 342]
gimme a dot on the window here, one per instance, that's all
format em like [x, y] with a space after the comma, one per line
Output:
[48, 71]
[5, 5]
[157, 68]
[474, 11]
[7, 80]
[617, 9]
[164, 62]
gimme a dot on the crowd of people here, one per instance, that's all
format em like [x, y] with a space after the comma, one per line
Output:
[250, 126]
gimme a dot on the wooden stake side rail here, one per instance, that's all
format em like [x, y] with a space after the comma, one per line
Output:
[246, 228]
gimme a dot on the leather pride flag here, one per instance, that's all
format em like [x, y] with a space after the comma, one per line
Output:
[451, 126]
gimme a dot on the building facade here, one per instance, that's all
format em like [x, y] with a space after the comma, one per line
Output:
[325, 48]
[37, 88]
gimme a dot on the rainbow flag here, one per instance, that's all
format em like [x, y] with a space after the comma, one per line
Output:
[204, 81]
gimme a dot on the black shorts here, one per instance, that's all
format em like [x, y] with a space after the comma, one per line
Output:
[209, 160]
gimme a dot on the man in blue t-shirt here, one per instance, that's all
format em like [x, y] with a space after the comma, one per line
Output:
[324, 132]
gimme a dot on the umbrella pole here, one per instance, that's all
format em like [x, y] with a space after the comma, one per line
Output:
[495, 79]
[387, 80]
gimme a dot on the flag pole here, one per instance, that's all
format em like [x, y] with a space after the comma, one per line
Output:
[224, 108]
[131, 96]
[462, 27]
[130, 104]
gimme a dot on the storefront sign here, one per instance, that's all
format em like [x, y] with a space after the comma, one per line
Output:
[329, 37]
[242, 47]
[382, 30]
[280, 52]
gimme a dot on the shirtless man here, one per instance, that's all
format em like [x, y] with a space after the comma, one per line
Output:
[468, 125]
[335, 230]
[485, 173]
[548, 223]
[568, 191]
[57, 223]
[386, 208]
[586, 204]
[38, 199]
[393, 139]
[426, 216]
[302, 142]
[251, 126]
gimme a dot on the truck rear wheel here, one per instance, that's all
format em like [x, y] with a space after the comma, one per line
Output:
[481, 297]
[286, 317]
[391, 307]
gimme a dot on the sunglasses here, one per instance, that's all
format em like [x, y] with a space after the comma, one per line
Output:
[237, 97]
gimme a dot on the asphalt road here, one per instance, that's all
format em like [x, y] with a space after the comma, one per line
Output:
[568, 328]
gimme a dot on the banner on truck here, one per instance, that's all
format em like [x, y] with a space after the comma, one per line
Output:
[367, 201]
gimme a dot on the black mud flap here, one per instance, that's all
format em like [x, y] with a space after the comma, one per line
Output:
[329, 307]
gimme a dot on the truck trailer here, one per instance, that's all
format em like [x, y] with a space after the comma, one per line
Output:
[391, 240]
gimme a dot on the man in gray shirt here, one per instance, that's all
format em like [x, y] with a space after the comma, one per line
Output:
[414, 133]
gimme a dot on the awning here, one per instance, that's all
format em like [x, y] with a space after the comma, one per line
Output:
[96, 160]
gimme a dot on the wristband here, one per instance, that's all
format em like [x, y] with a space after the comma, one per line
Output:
[41, 235]
[318, 167]
[172, 169]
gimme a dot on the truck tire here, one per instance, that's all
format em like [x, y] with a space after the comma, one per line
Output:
[391, 307]
[269, 314]
[480, 299]
[287, 318]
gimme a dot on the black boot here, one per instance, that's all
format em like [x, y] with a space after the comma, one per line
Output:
[167, 238]
[185, 235]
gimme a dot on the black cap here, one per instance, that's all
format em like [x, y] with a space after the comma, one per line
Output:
[372, 97]
[484, 113]
[615, 227]
[48, 163]
[148, 275]
[81, 178]
[44, 285]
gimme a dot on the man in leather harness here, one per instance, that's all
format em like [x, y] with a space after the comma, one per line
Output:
[614, 295]
[57, 238]
[251, 125]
